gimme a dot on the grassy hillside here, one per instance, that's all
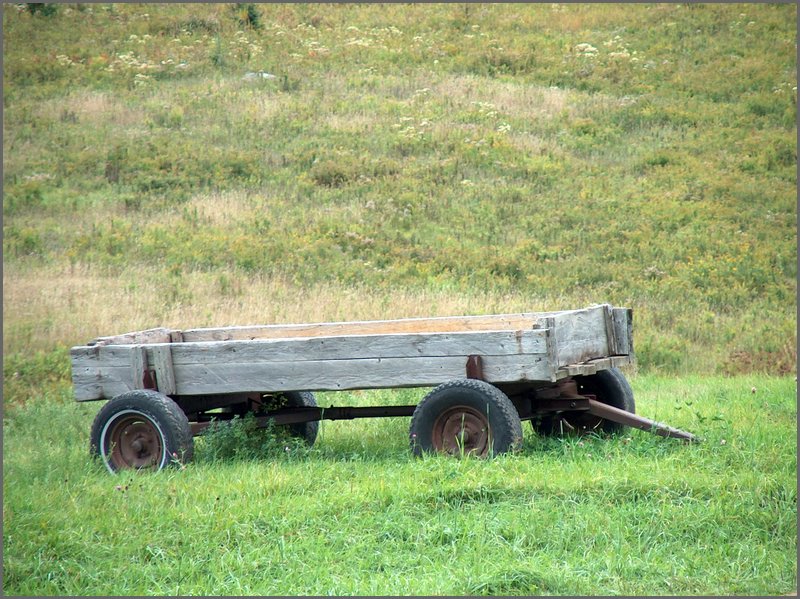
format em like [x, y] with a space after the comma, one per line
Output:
[491, 157]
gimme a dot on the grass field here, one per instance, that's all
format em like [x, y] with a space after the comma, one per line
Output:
[631, 515]
[406, 160]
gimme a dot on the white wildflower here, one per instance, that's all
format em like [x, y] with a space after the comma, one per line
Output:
[586, 50]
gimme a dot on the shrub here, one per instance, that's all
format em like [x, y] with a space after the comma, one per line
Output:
[241, 439]
[247, 15]
[42, 8]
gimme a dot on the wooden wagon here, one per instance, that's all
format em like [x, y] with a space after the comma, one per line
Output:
[559, 370]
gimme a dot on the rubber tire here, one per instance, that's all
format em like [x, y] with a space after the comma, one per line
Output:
[304, 430]
[610, 387]
[504, 422]
[176, 434]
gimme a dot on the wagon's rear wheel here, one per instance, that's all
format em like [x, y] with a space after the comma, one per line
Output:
[141, 430]
[294, 399]
[609, 387]
[465, 417]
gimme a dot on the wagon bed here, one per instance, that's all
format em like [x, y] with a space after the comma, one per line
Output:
[416, 352]
[535, 366]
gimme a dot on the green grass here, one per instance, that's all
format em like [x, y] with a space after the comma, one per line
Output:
[632, 515]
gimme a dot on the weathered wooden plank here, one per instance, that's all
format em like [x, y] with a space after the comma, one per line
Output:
[138, 359]
[158, 335]
[623, 330]
[361, 347]
[200, 379]
[442, 324]
[611, 335]
[592, 367]
[580, 335]
[549, 323]
[617, 361]
[331, 348]
[95, 356]
[90, 381]
[87, 383]
[100, 383]
[335, 375]
[162, 364]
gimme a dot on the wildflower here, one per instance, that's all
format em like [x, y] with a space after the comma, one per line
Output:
[585, 49]
[723, 442]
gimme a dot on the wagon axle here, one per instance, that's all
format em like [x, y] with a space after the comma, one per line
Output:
[545, 403]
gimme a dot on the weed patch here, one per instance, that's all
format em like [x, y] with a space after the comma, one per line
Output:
[242, 439]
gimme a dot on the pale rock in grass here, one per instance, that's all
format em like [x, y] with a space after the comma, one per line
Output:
[253, 76]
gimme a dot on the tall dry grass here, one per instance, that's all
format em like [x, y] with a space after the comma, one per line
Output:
[48, 306]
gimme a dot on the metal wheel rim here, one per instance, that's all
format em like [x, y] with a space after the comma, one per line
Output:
[132, 440]
[461, 430]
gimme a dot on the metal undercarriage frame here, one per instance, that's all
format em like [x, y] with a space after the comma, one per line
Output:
[560, 398]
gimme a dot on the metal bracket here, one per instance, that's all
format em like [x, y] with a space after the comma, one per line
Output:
[475, 367]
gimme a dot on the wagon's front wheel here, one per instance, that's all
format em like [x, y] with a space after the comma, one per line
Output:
[465, 417]
[140, 430]
[609, 387]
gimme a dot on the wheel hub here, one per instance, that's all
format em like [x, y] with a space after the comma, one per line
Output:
[461, 430]
[135, 443]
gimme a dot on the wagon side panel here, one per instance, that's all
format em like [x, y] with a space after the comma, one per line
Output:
[312, 364]
[338, 375]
